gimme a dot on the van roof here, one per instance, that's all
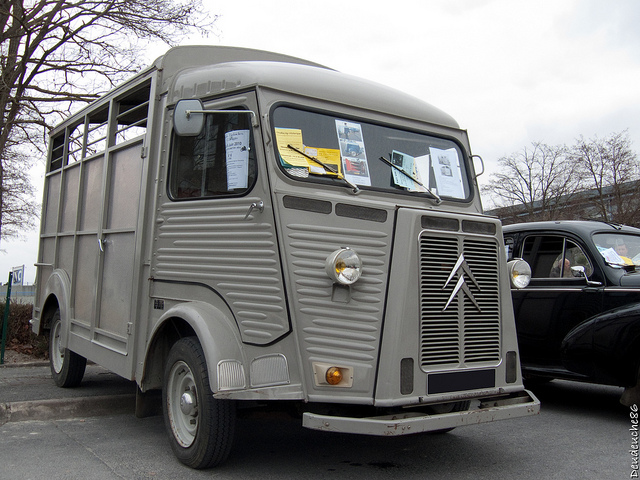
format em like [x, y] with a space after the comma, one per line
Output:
[225, 69]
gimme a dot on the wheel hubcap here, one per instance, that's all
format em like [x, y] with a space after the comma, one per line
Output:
[188, 403]
[182, 404]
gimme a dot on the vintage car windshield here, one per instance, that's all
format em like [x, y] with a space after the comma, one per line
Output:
[325, 148]
[618, 249]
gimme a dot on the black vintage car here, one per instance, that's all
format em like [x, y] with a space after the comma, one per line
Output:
[579, 317]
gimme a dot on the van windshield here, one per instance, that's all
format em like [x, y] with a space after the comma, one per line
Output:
[324, 148]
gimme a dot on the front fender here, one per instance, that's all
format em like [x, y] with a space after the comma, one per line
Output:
[216, 332]
[605, 347]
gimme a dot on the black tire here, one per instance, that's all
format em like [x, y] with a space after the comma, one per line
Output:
[67, 367]
[200, 427]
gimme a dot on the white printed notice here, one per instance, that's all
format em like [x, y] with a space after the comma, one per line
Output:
[237, 148]
[446, 170]
[403, 163]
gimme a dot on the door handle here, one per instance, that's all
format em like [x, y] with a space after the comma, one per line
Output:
[255, 205]
[102, 243]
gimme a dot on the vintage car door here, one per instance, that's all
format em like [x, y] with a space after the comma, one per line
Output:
[555, 301]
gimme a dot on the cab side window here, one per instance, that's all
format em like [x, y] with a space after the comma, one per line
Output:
[553, 257]
[577, 258]
[509, 247]
[220, 161]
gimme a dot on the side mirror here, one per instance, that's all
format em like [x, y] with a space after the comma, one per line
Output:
[579, 271]
[188, 119]
[478, 158]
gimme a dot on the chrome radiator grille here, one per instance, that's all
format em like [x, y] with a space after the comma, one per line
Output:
[459, 301]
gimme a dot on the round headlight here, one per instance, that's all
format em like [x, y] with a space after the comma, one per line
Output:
[519, 273]
[344, 266]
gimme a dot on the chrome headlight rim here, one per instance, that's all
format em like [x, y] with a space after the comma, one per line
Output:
[519, 273]
[344, 266]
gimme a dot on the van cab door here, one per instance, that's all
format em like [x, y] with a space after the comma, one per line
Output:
[215, 235]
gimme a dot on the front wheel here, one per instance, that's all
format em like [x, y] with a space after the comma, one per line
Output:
[67, 367]
[200, 427]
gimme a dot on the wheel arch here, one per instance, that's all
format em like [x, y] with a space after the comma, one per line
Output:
[57, 295]
[213, 328]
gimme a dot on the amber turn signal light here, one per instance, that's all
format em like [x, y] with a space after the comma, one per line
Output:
[333, 376]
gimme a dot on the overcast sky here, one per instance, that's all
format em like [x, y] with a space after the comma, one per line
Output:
[511, 72]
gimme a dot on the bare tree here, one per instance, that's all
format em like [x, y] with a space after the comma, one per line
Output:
[533, 183]
[19, 207]
[611, 171]
[55, 53]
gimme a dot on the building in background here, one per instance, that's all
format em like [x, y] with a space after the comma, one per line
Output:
[615, 204]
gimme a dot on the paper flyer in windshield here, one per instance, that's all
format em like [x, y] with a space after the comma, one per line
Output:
[354, 156]
[329, 156]
[293, 137]
[407, 164]
[423, 165]
[446, 169]
[611, 256]
[237, 148]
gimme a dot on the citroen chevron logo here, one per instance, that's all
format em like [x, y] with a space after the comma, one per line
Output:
[460, 269]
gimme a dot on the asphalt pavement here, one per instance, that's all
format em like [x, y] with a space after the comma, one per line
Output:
[27, 392]
[90, 432]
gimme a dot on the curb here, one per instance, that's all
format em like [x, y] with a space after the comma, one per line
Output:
[37, 363]
[59, 409]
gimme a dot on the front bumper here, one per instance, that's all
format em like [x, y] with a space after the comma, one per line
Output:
[520, 404]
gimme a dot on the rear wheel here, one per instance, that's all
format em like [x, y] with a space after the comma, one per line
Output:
[67, 367]
[200, 427]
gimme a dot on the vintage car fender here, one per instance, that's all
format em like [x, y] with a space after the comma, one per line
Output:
[215, 331]
[606, 347]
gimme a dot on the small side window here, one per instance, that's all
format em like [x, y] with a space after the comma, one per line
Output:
[509, 246]
[92, 134]
[553, 257]
[541, 253]
[220, 161]
[577, 258]
[56, 153]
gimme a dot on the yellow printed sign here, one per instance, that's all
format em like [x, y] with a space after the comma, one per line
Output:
[293, 137]
[329, 156]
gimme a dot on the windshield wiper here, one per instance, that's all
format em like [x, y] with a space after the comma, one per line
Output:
[435, 196]
[327, 168]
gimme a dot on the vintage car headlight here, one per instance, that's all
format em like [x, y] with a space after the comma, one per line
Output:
[344, 266]
[519, 273]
